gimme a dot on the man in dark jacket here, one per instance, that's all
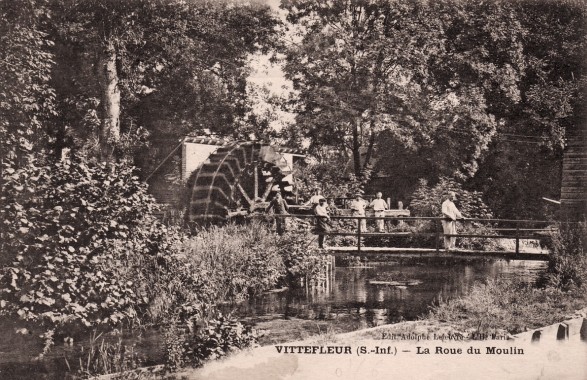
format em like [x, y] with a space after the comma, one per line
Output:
[280, 207]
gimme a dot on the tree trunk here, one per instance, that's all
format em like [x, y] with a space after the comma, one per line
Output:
[357, 148]
[110, 102]
[371, 146]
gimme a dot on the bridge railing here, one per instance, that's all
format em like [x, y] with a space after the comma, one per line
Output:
[516, 229]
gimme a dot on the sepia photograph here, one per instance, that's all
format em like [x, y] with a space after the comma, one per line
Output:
[293, 189]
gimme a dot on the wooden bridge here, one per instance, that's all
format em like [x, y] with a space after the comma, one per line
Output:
[512, 231]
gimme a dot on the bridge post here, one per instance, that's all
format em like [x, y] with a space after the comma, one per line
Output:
[517, 238]
[359, 234]
[436, 227]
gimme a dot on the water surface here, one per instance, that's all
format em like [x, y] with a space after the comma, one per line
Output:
[366, 297]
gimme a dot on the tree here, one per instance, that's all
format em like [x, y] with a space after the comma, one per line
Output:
[525, 161]
[428, 73]
[172, 60]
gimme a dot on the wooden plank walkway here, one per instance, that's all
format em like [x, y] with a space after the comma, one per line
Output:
[431, 252]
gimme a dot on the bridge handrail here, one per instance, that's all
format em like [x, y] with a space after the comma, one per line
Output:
[359, 233]
[410, 218]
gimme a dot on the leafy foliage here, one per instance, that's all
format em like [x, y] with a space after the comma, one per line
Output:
[74, 238]
[26, 97]
[328, 175]
[485, 91]
[302, 259]
[216, 339]
[180, 68]
[237, 260]
[427, 201]
[410, 68]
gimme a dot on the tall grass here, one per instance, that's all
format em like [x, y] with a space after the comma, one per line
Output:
[241, 260]
[102, 357]
[509, 305]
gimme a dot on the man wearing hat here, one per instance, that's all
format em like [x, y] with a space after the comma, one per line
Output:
[450, 214]
[358, 206]
[322, 221]
[280, 207]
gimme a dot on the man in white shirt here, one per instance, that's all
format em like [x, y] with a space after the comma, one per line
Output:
[322, 221]
[379, 206]
[450, 214]
[358, 206]
[315, 199]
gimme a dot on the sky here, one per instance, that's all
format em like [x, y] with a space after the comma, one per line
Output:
[269, 75]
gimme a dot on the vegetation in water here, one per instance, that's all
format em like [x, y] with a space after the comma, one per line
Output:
[104, 357]
[397, 83]
[196, 343]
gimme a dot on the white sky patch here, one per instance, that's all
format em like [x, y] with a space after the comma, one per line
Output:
[266, 74]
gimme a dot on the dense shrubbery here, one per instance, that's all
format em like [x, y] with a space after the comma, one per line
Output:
[567, 265]
[427, 201]
[237, 260]
[212, 340]
[233, 263]
[301, 259]
[327, 175]
[242, 260]
[74, 240]
[82, 248]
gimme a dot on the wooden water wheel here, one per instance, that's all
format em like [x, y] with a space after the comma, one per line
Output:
[237, 179]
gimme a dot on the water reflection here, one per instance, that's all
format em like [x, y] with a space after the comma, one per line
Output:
[353, 301]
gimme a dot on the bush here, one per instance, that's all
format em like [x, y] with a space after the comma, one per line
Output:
[427, 201]
[567, 265]
[302, 259]
[507, 305]
[78, 240]
[238, 260]
[327, 175]
[215, 339]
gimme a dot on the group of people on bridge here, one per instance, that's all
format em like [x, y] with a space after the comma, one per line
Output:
[323, 210]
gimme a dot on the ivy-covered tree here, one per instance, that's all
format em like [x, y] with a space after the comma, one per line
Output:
[26, 97]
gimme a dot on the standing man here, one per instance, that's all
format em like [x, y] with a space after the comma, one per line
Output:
[315, 199]
[322, 220]
[379, 206]
[450, 214]
[358, 206]
[280, 207]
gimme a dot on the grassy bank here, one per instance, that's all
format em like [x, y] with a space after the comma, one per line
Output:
[510, 306]
[514, 306]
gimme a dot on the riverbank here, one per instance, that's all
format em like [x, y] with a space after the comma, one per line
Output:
[416, 349]
[511, 306]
